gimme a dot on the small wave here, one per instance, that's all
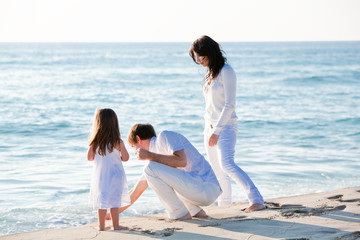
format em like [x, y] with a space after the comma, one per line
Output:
[15, 181]
[34, 129]
[349, 120]
[259, 122]
[313, 80]
[306, 146]
[353, 134]
[66, 193]
[313, 137]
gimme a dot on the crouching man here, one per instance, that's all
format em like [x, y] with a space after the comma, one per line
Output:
[180, 176]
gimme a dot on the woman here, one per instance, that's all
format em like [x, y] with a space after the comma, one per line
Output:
[219, 88]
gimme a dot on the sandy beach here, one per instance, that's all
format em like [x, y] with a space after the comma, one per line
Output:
[329, 215]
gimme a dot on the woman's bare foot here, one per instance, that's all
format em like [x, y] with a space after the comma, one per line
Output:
[201, 214]
[186, 217]
[255, 207]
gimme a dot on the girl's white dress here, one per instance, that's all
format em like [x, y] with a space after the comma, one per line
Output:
[109, 188]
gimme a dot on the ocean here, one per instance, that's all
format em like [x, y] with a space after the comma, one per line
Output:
[298, 105]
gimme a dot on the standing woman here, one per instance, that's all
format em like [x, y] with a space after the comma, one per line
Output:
[219, 88]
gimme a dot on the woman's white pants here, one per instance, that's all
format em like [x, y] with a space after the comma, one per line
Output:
[221, 157]
[179, 191]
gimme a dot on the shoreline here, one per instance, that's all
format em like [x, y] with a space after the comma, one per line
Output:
[328, 215]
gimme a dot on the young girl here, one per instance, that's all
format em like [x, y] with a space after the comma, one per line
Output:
[219, 88]
[109, 186]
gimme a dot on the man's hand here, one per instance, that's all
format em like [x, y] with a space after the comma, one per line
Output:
[142, 154]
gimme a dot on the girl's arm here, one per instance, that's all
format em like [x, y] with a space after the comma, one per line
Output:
[136, 192]
[91, 154]
[124, 152]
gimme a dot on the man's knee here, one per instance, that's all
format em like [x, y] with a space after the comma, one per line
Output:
[151, 169]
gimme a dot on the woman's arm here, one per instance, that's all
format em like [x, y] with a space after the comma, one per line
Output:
[229, 82]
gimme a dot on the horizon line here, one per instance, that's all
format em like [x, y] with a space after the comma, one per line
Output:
[262, 41]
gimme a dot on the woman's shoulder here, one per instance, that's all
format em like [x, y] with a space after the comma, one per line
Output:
[227, 68]
[227, 71]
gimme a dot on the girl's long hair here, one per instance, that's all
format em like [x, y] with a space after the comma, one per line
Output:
[105, 131]
[206, 46]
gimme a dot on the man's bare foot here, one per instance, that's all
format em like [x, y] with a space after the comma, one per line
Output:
[201, 214]
[255, 207]
[186, 217]
[120, 228]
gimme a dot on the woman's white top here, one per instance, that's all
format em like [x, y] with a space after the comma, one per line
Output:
[220, 99]
[109, 188]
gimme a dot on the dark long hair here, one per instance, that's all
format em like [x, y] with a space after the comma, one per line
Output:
[206, 46]
[105, 131]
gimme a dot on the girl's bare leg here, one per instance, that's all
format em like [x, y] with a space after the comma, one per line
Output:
[102, 214]
[108, 216]
[115, 219]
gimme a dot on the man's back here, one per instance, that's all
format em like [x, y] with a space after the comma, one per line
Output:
[168, 142]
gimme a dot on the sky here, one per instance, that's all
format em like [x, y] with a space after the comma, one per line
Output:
[178, 20]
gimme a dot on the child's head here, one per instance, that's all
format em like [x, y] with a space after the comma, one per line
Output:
[105, 131]
[143, 130]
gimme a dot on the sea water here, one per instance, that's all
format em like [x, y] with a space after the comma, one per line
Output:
[298, 105]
